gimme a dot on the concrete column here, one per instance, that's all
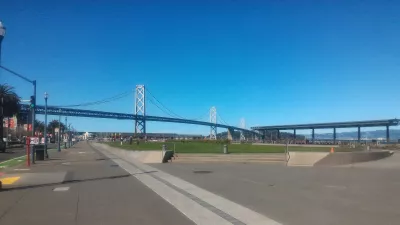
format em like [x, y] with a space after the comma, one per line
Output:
[387, 134]
[230, 134]
[334, 136]
[313, 135]
[279, 134]
[294, 134]
[359, 134]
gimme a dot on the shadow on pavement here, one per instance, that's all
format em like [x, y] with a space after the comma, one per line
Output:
[73, 181]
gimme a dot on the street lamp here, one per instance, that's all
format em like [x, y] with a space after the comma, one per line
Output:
[2, 34]
[65, 133]
[46, 96]
[59, 130]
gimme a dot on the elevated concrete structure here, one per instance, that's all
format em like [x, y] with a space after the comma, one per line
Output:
[368, 123]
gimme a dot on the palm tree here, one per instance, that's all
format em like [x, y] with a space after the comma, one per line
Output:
[53, 125]
[39, 126]
[10, 106]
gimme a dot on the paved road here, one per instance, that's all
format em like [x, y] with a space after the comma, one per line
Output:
[109, 186]
[11, 153]
[302, 195]
[99, 192]
[16, 152]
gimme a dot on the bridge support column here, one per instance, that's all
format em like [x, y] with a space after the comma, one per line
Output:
[387, 134]
[230, 134]
[359, 134]
[140, 111]
[334, 136]
[213, 119]
[313, 135]
[294, 135]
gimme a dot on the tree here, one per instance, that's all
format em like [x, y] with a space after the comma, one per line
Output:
[10, 105]
[54, 124]
[39, 126]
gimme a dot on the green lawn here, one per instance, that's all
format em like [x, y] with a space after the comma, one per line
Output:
[198, 147]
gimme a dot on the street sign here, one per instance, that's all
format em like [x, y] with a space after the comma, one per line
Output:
[56, 130]
[34, 140]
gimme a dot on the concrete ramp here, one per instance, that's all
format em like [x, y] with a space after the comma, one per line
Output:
[305, 158]
[148, 156]
[344, 158]
[231, 158]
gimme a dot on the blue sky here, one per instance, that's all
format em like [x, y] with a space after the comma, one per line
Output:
[270, 62]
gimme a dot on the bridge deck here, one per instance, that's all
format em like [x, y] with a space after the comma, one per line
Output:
[367, 123]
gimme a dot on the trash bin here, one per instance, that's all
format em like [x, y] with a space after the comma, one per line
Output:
[39, 150]
[225, 149]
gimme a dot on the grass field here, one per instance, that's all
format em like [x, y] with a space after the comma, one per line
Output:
[198, 147]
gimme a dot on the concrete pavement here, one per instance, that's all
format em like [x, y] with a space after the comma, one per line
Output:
[81, 186]
[301, 195]
[11, 153]
[104, 185]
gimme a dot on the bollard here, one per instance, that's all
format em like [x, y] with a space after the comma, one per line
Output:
[225, 147]
[28, 151]
[332, 150]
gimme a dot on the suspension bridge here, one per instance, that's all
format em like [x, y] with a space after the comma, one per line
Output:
[140, 117]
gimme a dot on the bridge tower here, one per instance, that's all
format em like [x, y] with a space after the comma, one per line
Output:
[242, 125]
[140, 111]
[213, 119]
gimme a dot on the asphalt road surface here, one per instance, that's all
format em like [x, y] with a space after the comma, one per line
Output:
[104, 185]
[11, 153]
[16, 152]
[303, 195]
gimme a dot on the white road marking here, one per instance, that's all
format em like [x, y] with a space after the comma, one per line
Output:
[61, 189]
[193, 210]
[188, 207]
[21, 169]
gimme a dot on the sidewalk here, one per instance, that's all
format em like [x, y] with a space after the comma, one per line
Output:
[80, 186]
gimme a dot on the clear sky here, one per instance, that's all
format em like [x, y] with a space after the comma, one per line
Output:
[270, 62]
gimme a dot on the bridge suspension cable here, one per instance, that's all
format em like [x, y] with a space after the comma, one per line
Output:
[106, 100]
[169, 112]
[222, 120]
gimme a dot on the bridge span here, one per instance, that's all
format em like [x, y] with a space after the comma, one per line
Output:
[56, 111]
[358, 124]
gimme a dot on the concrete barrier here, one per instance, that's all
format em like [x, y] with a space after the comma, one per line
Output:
[343, 158]
[305, 158]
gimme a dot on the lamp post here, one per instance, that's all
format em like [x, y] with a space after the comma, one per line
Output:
[59, 131]
[69, 136]
[46, 96]
[33, 82]
[2, 34]
[66, 133]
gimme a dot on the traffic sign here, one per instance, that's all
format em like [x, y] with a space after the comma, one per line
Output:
[34, 140]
